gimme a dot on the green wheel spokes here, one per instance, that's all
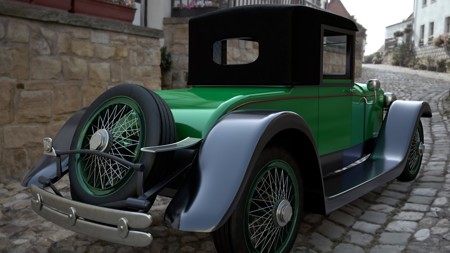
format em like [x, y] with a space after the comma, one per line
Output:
[272, 208]
[121, 123]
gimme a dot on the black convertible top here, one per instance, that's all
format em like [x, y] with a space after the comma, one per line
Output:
[289, 39]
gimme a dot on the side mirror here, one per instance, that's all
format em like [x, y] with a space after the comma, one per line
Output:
[373, 85]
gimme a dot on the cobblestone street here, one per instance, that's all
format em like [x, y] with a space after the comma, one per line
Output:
[397, 217]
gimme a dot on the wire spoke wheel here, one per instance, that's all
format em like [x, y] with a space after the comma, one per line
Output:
[272, 208]
[414, 157]
[415, 153]
[267, 217]
[120, 122]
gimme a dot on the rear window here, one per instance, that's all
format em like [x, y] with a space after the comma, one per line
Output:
[238, 51]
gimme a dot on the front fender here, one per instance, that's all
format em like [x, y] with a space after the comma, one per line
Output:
[214, 186]
[398, 129]
[46, 165]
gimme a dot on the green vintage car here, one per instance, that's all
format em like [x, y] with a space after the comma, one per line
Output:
[272, 125]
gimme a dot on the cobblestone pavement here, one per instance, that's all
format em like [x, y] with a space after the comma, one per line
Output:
[397, 217]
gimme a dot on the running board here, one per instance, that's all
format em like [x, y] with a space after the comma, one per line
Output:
[360, 180]
[359, 175]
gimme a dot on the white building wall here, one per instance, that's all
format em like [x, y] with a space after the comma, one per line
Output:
[390, 30]
[157, 10]
[433, 11]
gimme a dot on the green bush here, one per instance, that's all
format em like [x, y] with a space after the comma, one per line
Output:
[398, 34]
[402, 55]
[166, 60]
[375, 58]
[441, 65]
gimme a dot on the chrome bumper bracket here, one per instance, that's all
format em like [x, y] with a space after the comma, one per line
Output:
[112, 225]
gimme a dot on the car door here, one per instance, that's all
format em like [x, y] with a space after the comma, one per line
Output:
[337, 101]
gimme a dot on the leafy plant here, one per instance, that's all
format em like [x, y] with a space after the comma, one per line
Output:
[166, 60]
[398, 34]
[442, 40]
[192, 4]
[408, 29]
[402, 55]
[441, 65]
[128, 3]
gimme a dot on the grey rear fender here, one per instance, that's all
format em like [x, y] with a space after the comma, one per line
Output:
[46, 165]
[214, 185]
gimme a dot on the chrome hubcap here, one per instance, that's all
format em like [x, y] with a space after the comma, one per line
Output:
[99, 140]
[421, 148]
[283, 213]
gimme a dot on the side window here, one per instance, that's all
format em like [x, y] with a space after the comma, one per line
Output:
[336, 55]
[237, 51]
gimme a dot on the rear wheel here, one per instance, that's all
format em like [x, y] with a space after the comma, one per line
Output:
[415, 154]
[267, 216]
[119, 122]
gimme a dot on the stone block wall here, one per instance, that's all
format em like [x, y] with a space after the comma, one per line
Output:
[54, 63]
[176, 39]
[437, 53]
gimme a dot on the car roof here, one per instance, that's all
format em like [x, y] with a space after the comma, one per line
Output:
[289, 39]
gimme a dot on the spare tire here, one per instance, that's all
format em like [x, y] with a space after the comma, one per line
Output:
[119, 122]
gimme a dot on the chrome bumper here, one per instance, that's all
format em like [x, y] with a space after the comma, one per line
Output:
[112, 225]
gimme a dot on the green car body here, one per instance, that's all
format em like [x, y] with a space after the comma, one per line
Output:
[336, 115]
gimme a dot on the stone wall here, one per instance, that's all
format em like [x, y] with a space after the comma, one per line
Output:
[176, 39]
[52, 64]
[437, 53]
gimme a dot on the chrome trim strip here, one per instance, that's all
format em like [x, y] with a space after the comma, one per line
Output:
[354, 164]
[104, 223]
[185, 143]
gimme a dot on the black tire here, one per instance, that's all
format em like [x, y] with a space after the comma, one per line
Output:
[261, 220]
[415, 154]
[129, 117]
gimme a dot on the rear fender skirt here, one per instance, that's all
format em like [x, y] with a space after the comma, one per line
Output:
[214, 186]
[46, 165]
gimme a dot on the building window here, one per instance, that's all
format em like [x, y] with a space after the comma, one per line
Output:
[422, 34]
[433, 1]
[447, 25]
[431, 30]
[424, 2]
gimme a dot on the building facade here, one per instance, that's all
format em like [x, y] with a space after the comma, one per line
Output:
[431, 20]
[425, 34]
[431, 31]
[397, 34]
